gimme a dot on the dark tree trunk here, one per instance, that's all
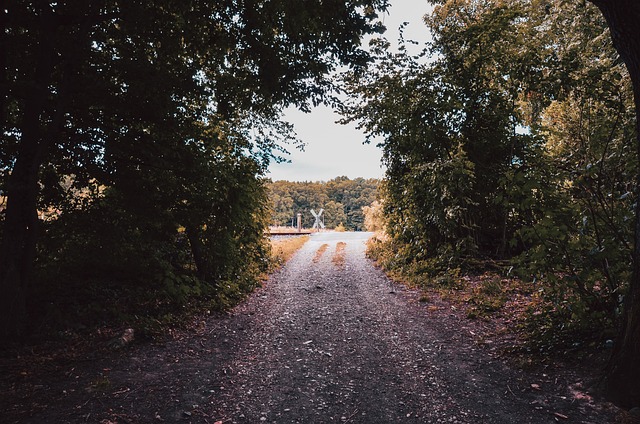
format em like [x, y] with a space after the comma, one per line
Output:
[623, 376]
[197, 251]
[4, 92]
[17, 251]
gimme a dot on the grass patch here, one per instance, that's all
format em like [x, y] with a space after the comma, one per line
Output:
[479, 294]
[339, 255]
[320, 252]
[488, 295]
[283, 249]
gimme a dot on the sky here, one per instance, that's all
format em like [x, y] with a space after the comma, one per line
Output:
[334, 150]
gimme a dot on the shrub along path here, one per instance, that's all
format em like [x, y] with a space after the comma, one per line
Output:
[329, 339]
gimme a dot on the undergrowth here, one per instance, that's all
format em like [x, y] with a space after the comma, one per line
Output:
[283, 249]
[160, 298]
[544, 320]
[338, 258]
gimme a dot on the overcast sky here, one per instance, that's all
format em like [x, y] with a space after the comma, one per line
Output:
[334, 150]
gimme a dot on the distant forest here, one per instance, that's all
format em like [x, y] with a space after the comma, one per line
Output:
[341, 198]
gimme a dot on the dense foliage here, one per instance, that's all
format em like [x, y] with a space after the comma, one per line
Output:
[509, 140]
[134, 140]
[342, 199]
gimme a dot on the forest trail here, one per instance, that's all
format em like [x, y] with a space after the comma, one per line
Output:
[328, 339]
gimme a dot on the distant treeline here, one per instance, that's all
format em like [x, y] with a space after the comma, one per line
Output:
[341, 198]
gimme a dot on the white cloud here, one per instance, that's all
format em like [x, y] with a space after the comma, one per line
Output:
[332, 150]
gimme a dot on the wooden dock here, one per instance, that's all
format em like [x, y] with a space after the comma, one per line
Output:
[292, 232]
[288, 231]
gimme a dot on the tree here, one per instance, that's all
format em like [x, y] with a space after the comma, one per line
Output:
[510, 135]
[334, 214]
[623, 379]
[118, 93]
[373, 217]
[448, 126]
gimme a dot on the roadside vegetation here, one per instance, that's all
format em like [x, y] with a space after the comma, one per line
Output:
[282, 249]
[537, 324]
[509, 143]
[135, 138]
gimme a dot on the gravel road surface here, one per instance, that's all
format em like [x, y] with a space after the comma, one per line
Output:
[331, 339]
[328, 339]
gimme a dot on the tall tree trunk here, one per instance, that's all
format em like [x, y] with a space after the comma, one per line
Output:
[198, 252]
[4, 91]
[17, 251]
[623, 376]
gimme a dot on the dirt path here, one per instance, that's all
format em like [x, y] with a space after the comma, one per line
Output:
[328, 340]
